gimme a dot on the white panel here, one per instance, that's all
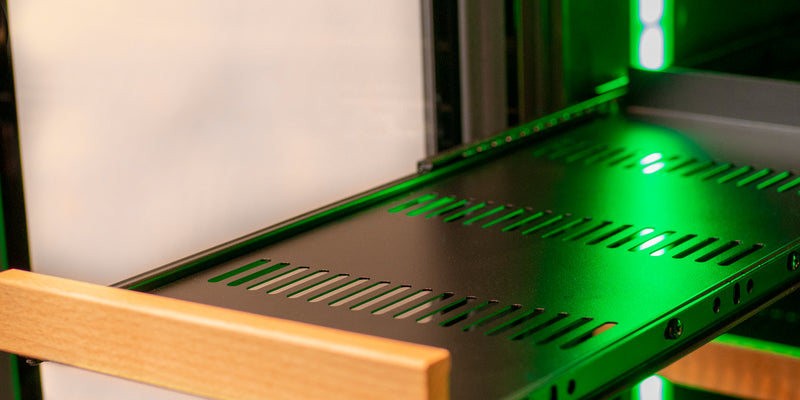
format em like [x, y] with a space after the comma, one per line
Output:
[153, 129]
[70, 383]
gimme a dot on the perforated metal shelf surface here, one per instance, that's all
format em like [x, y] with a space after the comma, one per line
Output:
[555, 271]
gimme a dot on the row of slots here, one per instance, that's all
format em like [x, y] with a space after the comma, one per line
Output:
[707, 170]
[550, 225]
[422, 306]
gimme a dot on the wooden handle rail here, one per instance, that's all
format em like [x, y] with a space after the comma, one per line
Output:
[206, 350]
[740, 371]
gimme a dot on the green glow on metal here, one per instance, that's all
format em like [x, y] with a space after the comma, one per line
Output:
[658, 253]
[651, 388]
[651, 48]
[652, 242]
[651, 33]
[651, 11]
[760, 345]
[650, 158]
[653, 168]
[611, 85]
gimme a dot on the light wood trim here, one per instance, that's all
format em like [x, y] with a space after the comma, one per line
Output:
[205, 350]
[738, 371]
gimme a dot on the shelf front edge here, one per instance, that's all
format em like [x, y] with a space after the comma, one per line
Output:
[206, 350]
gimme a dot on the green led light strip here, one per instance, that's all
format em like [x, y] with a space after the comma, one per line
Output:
[652, 33]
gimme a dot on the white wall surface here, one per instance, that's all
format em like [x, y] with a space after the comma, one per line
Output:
[153, 129]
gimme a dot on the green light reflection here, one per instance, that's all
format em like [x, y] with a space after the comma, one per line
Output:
[650, 158]
[651, 33]
[651, 388]
[653, 168]
[652, 242]
[658, 253]
[651, 48]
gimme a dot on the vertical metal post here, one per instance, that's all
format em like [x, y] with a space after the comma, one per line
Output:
[482, 42]
[18, 380]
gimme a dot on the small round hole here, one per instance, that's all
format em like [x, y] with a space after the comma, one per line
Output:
[571, 386]
[749, 286]
[717, 304]
[737, 293]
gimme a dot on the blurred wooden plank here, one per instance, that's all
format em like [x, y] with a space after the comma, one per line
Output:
[741, 367]
[208, 350]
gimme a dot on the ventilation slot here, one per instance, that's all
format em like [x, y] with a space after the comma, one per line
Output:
[722, 249]
[752, 249]
[544, 224]
[431, 206]
[464, 212]
[484, 215]
[735, 174]
[587, 232]
[401, 302]
[489, 319]
[238, 271]
[419, 200]
[618, 160]
[641, 234]
[775, 179]
[569, 150]
[515, 322]
[427, 304]
[447, 209]
[695, 248]
[374, 301]
[667, 247]
[525, 221]
[584, 153]
[609, 235]
[358, 294]
[553, 146]
[566, 227]
[716, 171]
[530, 331]
[651, 242]
[699, 168]
[278, 278]
[469, 313]
[681, 165]
[789, 185]
[445, 310]
[317, 286]
[600, 157]
[588, 335]
[504, 218]
[756, 176]
[339, 289]
[563, 331]
[297, 282]
[258, 274]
